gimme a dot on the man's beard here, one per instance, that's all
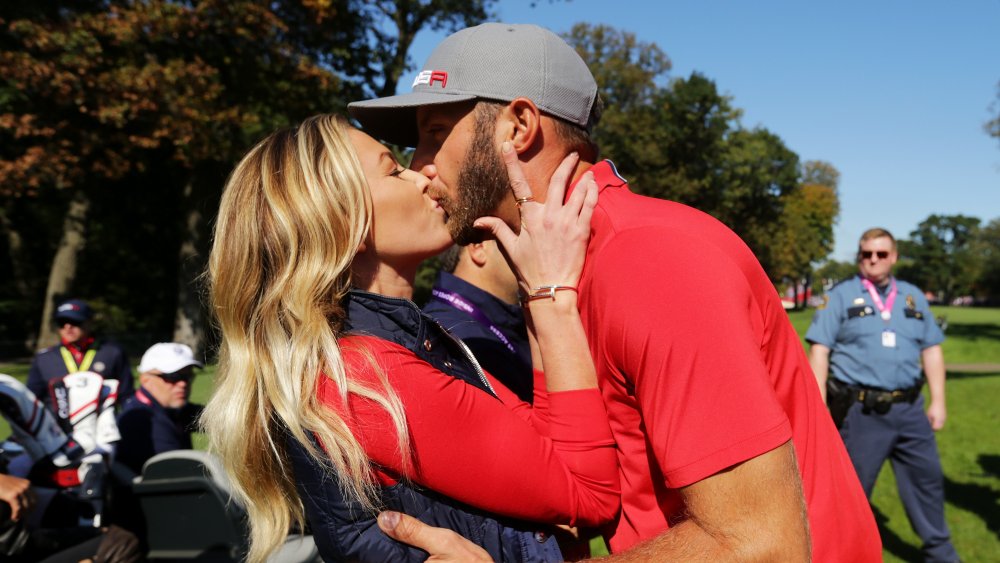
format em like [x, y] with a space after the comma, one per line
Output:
[482, 184]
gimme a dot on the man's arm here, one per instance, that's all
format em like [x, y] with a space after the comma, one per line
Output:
[754, 511]
[933, 360]
[819, 360]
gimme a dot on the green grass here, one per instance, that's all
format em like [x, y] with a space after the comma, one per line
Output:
[969, 443]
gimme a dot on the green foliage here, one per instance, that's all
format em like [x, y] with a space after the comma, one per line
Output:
[682, 141]
[146, 106]
[940, 256]
[986, 248]
[805, 232]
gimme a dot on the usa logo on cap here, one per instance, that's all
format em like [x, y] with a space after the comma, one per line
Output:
[429, 77]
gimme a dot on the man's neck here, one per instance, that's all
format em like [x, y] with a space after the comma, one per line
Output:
[475, 276]
[882, 283]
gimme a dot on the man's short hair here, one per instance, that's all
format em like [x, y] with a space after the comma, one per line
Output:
[449, 258]
[876, 232]
[571, 135]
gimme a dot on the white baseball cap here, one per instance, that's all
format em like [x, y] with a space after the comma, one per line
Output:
[168, 357]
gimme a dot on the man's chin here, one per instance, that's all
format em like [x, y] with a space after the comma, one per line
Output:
[467, 234]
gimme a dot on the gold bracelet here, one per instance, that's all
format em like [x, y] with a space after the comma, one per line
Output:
[543, 291]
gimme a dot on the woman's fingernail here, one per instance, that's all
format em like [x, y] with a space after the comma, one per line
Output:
[506, 146]
[388, 520]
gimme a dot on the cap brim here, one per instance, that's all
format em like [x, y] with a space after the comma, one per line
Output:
[394, 118]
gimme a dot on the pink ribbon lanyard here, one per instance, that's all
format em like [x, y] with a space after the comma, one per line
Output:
[884, 308]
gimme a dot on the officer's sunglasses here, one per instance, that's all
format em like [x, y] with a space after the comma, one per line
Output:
[867, 254]
[178, 376]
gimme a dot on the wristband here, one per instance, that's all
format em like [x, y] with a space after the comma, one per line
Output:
[543, 291]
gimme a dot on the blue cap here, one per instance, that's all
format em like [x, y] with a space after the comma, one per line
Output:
[74, 310]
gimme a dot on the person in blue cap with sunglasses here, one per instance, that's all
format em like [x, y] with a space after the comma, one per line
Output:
[78, 350]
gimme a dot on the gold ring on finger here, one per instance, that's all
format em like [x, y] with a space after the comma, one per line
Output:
[522, 200]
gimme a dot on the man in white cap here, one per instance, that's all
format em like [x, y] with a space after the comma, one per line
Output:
[159, 417]
[725, 447]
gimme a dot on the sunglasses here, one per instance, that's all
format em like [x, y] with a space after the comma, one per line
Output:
[867, 254]
[72, 322]
[177, 376]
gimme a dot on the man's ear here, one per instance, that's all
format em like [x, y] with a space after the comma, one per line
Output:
[477, 253]
[525, 121]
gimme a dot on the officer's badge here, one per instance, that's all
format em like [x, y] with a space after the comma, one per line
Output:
[859, 301]
[826, 301]
[911, 302]
[99, 367]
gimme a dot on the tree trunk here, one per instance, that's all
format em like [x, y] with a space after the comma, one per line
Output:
[63, 271]
[20, 270]
[189, 321]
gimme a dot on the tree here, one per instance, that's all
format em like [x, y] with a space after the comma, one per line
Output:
[987, 248]
[682, 140]
[992, 126]
[131, 89]
[162, 96]
[940, 256]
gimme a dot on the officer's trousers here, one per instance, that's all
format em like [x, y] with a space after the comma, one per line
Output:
[905, 437]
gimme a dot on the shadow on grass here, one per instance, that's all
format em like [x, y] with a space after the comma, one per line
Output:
[978, 499]
[974, 331]
[891, 541]
[971, 374]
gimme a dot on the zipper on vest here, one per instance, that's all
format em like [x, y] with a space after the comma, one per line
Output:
[470, 356]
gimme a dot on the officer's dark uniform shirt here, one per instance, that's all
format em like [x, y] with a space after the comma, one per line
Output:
[511, 366]
[850, 325]
[147, 428]
[109, 361]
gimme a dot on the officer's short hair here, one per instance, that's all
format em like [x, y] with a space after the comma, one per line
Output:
[876, 232]
[449, 258]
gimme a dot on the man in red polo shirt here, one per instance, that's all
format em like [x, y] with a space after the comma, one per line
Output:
[726, 449]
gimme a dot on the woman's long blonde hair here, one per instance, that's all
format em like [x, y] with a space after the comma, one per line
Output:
[291, 219]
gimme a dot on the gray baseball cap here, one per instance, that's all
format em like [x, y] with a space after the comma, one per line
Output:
[491, 61]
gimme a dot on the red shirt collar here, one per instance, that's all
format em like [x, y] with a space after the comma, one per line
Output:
[79, 348]
[605, 174]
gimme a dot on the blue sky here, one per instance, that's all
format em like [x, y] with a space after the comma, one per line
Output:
[893, 93]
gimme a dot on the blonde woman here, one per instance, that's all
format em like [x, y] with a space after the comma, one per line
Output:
[336, 397]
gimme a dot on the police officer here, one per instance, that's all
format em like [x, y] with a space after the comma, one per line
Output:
[867, 343]
[78, 350]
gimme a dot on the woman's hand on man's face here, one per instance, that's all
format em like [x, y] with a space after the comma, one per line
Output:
[552, 244]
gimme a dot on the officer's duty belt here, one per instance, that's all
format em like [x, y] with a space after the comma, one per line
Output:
[871, 395]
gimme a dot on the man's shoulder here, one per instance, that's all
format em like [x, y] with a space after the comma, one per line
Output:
[134, 410]
[47, 351]
[110, 346]
[904, 286]
[845, 285]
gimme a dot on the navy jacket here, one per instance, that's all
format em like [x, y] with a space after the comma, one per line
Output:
[509, 362]
[110, 362]
[342, 529]
[147, 429]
